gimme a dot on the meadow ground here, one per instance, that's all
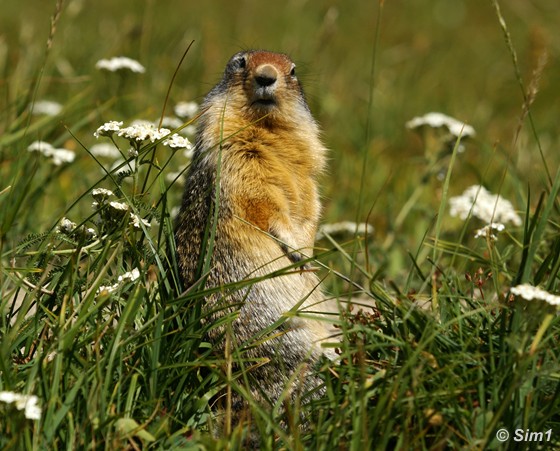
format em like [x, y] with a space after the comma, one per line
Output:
[453, 355]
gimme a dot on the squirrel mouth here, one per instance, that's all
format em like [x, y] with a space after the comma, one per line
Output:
[264, 102]
[263, 96]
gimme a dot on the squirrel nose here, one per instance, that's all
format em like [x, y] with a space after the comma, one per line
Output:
[266, 75]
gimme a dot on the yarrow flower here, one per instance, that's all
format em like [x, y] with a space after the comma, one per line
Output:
[344, 228]
[440, 134]
[487, 231]
[116, 210]
[58, 156]
[186, 109]
[108, 128]
[66, 226]
[118, 63]
[177, 142]
[119, 206]
[140, 131]
[130, 276]
[69, 228]
[438, 120]
[28, 403]
[479, 202]
[105, 150]
[529, 293]
[46, 107]
[101, 194]
[171, 122]
[137, 220]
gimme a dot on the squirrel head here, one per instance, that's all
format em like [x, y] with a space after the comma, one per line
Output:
[262, 86]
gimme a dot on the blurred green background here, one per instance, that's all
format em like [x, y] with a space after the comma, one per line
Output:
[440, 55]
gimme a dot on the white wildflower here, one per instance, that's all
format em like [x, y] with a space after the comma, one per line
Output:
[40, 146]
[28, 403]
[479, 202]
[487, 231]
[132, 152]
[61, 156]
[186, 109]
[120, 62]
[119, 206]
[437, 120]
[46, 107]
[105, 150]
[100, 194]
[177, 142]
[108, 128]
[529, 293]
[144, 123]
[58, 156]
[344, 228]
[140, 132]
[130, 276]
[107, 289]
[189, 130]
[136, 220]
[171, 122]
[66, 226]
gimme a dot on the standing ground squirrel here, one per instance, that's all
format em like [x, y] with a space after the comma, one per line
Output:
[250, 209]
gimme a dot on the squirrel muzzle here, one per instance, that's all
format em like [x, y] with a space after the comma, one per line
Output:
[265, 81]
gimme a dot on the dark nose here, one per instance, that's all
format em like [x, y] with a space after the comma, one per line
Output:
[266, 75]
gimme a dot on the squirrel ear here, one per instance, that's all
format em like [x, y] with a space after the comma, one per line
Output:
[239, 61]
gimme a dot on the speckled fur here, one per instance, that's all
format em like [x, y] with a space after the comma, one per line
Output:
[267, 146]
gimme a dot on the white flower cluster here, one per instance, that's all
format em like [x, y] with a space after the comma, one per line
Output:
[108, 128]
[58, 156]
[46, 107]
[120, 62]
[344, 228]
[529, 293]
[28, 403]
[118, 206]
[479, 202]
[137, 220]
[177, 142]
[130, 276]
[174, 122]
[438, 120]
[488, 231]
[101, 195]
[186, 109]
[141, 131]
[105, 150]
[67, 227]
[171, 122]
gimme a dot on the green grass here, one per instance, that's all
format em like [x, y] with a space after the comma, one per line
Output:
[446, 359]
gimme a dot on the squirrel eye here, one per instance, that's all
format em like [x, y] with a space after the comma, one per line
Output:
[293, 71]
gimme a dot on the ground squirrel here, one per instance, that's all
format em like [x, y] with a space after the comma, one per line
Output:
[253, 180]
